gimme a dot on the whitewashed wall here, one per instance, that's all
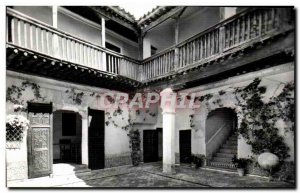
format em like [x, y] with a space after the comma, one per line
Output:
[116, 139]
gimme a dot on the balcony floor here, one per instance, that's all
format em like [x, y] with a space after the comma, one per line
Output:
[29, 62]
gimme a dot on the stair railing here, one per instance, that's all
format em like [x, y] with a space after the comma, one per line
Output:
[210, 154]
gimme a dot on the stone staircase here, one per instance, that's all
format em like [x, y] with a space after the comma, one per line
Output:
[222, 159]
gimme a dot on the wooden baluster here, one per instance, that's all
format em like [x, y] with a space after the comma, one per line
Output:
[13, 30]
[205, 46]
[222, 31]
[31, 36]
[95, 59]
[118, 65]
[155, 68]
[191, 52]
[37, 39]
[266, 21]
[108, 62]
[48, 43]
[85, 58]
[238, 31]
[42, 41]
[231, 34]
[25, 35]
[70, 50]
[248, 27]
[218, 39]
[19, 33]
[67, 50]
[112, 63]
[243, 28]
[184, 55]
[212, 43]
[149, 69]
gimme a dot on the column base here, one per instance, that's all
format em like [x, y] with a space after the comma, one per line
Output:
[169, 168]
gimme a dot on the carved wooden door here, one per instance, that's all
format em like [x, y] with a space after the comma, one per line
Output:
[39, 144]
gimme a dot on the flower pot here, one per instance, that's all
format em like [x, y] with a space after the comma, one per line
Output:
[241, 171]
[268, 160]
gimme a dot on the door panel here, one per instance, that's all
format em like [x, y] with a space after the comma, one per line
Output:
[96, 139]
[185, 146]
[39, 145]
[150, 145]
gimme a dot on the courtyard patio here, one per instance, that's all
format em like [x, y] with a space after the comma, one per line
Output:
[150, 176]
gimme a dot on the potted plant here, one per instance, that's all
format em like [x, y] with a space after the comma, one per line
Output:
[15, 128]
[197, 161]
[240, 164]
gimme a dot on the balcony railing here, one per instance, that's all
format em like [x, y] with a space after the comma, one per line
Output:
[250, 26]
[236, 32]
[28, 33]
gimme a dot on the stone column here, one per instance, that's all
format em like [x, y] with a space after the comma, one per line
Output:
[168, 102]
[84, 138]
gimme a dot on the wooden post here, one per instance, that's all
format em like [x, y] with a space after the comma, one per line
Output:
[176, 56]
[55, 45]
[139, 69]
[103, 44]
[221, 39]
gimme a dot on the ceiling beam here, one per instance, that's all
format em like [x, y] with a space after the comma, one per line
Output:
[102, 13]
[163, 18]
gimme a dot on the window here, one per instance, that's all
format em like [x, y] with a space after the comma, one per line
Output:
[153, 50]
[112, 47]
[69, 124]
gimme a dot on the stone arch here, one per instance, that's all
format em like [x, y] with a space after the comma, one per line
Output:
[219, 125]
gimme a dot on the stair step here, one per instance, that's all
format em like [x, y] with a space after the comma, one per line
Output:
[229, 155]
[222, 164]
[229, 146]
[223, 159]
[233, 170]
[231, 143]
[232, 151]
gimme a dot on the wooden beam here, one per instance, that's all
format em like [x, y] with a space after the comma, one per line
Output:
[103, 13]
[163, 18]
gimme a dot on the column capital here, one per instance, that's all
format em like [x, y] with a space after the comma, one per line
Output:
[168, 101]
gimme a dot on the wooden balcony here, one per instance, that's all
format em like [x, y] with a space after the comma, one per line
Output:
[229, 37]
[33, 36]
[232, 35]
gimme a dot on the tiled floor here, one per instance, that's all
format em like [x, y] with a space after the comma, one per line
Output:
[151, 176]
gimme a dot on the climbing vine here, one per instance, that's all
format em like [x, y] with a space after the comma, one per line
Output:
[258, 125]
[14, 94]
[75, 96]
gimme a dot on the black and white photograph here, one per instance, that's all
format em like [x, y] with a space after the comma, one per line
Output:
[149, 97]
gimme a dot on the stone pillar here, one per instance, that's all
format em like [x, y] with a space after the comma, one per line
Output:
[168, 102]
[84, 138]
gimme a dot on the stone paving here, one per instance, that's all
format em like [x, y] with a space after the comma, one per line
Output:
[151, 176]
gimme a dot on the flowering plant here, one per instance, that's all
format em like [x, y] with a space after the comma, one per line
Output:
[15, 126]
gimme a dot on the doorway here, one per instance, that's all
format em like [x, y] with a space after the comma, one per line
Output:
[67, 135]
[150, 145]
[185, 146]
[96, 132]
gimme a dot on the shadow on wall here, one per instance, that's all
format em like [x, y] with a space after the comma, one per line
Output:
[220, 123]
